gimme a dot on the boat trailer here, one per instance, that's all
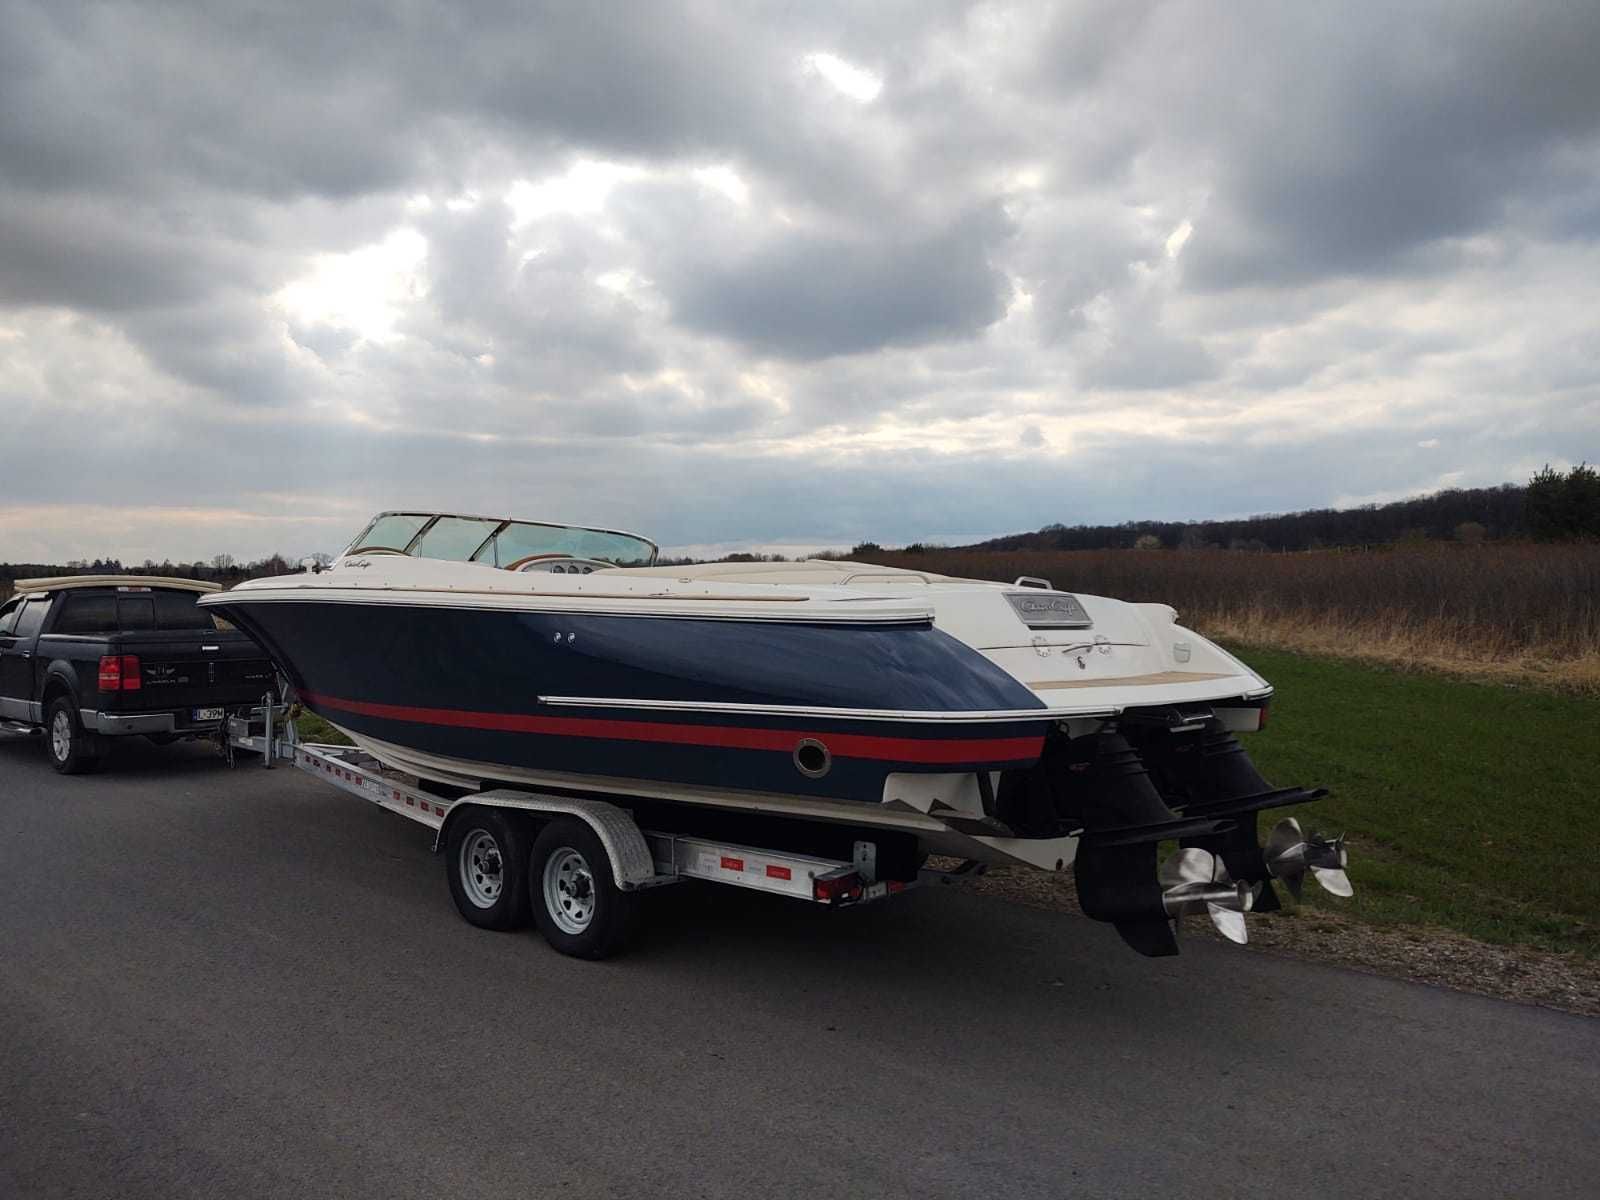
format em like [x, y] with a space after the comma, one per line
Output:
[577, 862]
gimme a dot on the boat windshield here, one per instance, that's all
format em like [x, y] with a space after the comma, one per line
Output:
[498, 541]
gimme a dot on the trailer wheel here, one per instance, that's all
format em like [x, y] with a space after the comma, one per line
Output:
[576, 902]
[72, 748]
[486, 860]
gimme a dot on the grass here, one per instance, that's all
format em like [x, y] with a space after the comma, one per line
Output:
[1468, 805]
[313, 728]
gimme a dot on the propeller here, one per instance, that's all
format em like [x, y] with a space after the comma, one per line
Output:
[1291, 852]
[1193, 880]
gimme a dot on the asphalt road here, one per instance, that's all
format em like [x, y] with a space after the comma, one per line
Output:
[245, 984]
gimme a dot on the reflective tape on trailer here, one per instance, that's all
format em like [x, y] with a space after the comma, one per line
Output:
[371, 783]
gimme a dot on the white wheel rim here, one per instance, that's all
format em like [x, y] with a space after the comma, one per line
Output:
[481, 868]
[61, 736]
[569, 890]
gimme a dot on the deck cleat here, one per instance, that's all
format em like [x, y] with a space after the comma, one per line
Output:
[1195, 880]
[1290, 853]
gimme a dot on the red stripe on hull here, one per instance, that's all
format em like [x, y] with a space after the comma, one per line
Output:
[843, 745]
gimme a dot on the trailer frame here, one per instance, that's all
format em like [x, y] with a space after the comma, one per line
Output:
[639, 859]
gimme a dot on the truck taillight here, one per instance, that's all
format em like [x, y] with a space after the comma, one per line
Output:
[120, 673]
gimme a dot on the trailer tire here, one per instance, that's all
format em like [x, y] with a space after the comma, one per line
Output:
[576, 903]
[486, 861]
[73, 750]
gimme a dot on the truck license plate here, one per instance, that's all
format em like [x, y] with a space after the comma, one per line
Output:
[208, 714]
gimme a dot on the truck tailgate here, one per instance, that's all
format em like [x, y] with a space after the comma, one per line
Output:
[188, 671]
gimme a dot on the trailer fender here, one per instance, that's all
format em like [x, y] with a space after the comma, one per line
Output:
[632, 865]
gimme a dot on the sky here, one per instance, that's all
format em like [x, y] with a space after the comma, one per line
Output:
[782, 275]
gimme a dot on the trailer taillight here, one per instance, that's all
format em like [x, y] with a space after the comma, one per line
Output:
[120, 673]
[1261, 722]
[830, 888]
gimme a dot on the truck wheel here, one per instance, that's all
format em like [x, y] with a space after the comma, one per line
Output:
[576, 902]
[486, 858]
[72, 749]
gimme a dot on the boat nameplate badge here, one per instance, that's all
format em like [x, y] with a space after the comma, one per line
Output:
[1049, 610]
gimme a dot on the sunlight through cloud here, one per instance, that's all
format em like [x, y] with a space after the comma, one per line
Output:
[363, 290]
[726, 180]
[860, 85]
[582, 189]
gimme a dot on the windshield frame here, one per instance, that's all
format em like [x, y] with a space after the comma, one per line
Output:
[500, 524]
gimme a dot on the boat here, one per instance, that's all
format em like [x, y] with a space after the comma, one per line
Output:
[1001, 723]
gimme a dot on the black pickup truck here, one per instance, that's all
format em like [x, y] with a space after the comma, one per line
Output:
[89, 658]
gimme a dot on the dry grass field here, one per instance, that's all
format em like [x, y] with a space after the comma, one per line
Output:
[1515, 612]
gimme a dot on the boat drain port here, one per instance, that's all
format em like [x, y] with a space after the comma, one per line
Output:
[811, 758]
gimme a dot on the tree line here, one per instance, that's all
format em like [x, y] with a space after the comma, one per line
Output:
[1552, 506]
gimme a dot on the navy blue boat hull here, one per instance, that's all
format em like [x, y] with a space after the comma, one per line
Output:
[467, 685]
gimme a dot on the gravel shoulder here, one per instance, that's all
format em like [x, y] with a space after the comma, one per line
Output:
[1423, 954]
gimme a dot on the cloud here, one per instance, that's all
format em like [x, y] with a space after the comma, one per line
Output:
[815, 272]
[1350, 141]
[811, 295]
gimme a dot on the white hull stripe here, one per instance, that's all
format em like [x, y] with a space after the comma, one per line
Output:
[917, 716]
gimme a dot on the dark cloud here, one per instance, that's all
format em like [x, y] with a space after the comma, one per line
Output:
[1345, 139]
[96, 256]
[814, 295]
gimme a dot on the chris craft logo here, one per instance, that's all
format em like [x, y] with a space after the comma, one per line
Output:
[1057, 610]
